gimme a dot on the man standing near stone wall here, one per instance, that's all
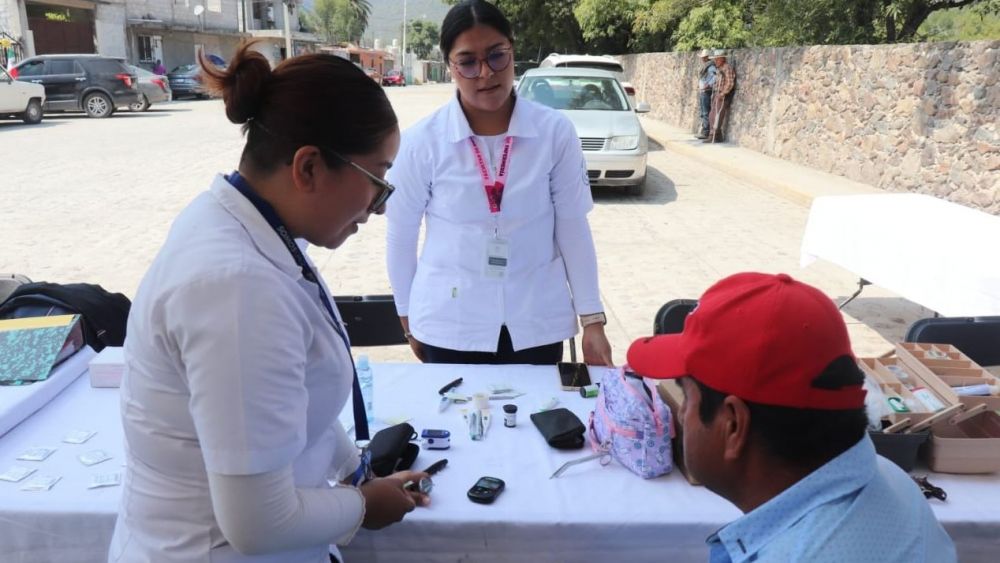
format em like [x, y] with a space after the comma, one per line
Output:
[721, 95]
[706, 81]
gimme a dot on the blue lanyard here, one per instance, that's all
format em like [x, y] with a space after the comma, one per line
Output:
[271, 216]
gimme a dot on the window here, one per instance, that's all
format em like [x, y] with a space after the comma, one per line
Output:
[34, 68]
[105, 66]
[62, 66]
[145, 48]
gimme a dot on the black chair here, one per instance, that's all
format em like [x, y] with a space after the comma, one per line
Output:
[977, 337]
[371, 320]
[671, 316]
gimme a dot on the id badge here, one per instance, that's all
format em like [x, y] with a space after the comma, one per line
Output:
[497, 255]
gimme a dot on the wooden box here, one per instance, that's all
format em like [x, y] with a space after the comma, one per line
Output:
[943, 366]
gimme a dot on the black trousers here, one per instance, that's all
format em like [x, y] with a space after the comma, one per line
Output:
[549, 354]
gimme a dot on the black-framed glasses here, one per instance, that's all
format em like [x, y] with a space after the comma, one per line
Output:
[471, 66]
[385, 189]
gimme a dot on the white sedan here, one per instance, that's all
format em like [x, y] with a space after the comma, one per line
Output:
[612, 139]
[23, 100]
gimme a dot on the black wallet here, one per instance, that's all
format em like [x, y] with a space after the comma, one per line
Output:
[561, 428]
[392, 450]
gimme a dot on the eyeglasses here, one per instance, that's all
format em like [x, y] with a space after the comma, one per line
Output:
[385, 189]
[470, 66]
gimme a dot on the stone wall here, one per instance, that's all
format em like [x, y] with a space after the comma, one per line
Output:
[917, 117]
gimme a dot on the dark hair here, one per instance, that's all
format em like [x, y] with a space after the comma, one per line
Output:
[800, 436]
[468, 14]
[314, 99]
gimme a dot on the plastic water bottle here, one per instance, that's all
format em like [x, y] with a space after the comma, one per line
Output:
[367, 382]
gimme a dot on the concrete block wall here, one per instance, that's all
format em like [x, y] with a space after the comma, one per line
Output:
[922, 117]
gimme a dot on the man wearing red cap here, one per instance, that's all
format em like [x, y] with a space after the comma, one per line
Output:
[774, 421]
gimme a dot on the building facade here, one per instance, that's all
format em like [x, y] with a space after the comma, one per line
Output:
[147, 31]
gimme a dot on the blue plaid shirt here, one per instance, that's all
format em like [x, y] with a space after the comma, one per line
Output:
[857, 507]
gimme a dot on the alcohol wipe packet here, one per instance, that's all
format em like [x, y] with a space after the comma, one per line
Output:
[105, 480]
[16, 473]
[78, 436]
[36, 454]
[41, 483]
[93, 457]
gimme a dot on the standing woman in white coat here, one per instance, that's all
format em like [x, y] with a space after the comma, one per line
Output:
[237, 364]
[508, 266]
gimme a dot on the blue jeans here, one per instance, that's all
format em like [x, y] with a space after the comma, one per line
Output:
[704, 108]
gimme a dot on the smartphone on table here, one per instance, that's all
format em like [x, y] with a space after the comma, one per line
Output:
[573, 375]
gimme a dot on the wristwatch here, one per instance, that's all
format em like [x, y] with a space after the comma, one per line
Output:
[593, 318]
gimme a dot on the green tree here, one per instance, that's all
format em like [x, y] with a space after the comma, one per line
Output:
[422, 36]
[963, 24]
[607, 25]
[718, 24]
[340, 20]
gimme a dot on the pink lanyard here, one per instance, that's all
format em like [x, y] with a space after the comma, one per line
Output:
[494, 190]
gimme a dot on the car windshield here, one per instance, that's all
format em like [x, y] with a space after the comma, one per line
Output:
[184, 69]
[574, 92]
[141, 72]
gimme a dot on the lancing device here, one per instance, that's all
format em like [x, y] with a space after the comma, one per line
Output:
[436, 466]
[450, 386]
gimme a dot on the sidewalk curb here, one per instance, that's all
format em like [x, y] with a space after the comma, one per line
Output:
[794, 192]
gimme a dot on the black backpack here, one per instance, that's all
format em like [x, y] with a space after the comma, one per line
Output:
[104, 314]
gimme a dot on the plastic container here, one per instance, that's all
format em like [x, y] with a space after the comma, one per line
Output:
[900, 449]
[366, 379]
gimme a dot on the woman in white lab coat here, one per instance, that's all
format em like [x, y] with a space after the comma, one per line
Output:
[237, 364]
[508, 263]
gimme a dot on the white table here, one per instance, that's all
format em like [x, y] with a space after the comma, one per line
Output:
[19, 402]
[933, 252]
[591, 513]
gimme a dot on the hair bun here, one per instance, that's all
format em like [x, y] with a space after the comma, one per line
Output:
[241, 84]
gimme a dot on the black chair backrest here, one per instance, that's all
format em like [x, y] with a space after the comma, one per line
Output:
[671, 316]
[371, 320]
[977, 337]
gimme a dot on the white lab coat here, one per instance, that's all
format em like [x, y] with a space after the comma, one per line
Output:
[450, 302]
[232, 366]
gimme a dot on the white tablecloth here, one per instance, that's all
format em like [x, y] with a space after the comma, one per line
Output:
[933, 252]
[20, 402]
[591, 513]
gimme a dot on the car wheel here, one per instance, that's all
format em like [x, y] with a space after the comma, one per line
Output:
[637, 189]
[32, 113]
[98, 105]
[141, 105]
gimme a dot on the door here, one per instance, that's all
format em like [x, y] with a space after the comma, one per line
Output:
[11, 100]
[63, 80]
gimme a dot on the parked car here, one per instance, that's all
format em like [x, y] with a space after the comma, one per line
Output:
[93, 84]
[600, 62]
[153, 89]
[611, 136]
[373, 74]
[20, 100]
[393, 78]
[185, 80]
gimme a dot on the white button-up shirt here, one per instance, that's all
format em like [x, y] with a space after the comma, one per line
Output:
[232, 366]
[552, 268]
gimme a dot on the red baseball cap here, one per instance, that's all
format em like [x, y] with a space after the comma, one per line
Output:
[763, 338]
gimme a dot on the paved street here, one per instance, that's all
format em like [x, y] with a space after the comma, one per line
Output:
[84, 200]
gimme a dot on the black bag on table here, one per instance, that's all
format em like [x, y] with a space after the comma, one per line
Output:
[391, 449]
[104, 314]
[561, 428]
